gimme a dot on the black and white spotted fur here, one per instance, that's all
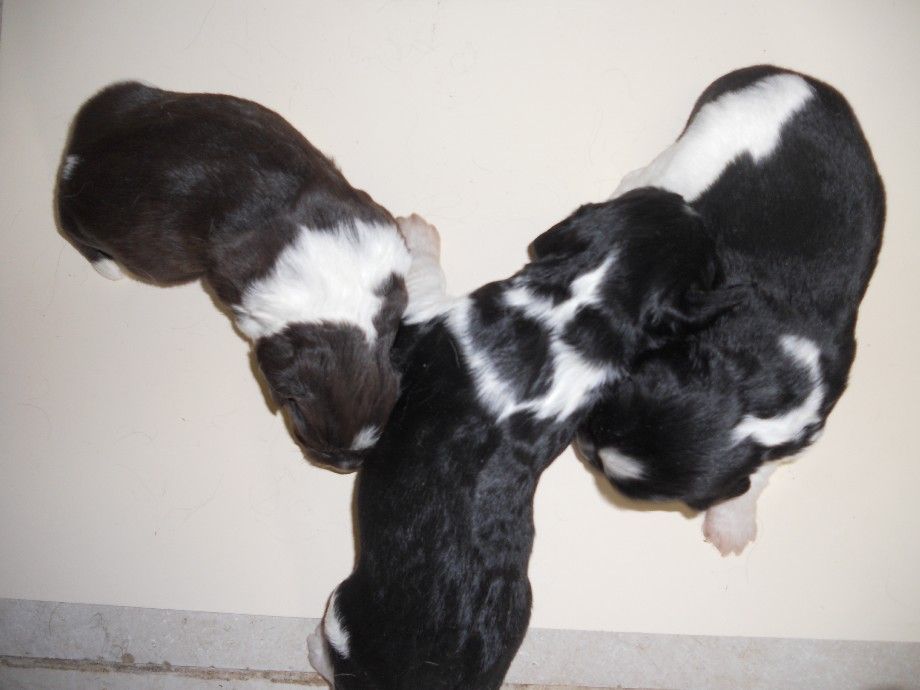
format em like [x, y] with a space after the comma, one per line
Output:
[778, 170]
[494, 387]
[178, 186]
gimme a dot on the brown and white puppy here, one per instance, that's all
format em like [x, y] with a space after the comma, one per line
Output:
[175, 187]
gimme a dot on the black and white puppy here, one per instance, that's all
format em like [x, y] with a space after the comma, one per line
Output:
[494, 386]
[179, 186]
[777, 169]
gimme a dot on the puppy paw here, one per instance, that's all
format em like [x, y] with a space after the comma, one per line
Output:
[730, 527]
[420, 235]
[108, 269]
[319, 655]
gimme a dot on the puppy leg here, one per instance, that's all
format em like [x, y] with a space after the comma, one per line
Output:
[652, 175]
[425, 279]
[732, 524]
[102, 263]
[318, 654]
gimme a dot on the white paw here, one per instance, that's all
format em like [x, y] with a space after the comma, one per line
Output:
[631, 180]
[108, 269]
[318, 654]
[421, 236]
[730, 527]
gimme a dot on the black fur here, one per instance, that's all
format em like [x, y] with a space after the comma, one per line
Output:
[799, 232]
[439, 598]
[177, 186]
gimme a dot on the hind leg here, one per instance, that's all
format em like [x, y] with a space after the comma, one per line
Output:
[318, 654]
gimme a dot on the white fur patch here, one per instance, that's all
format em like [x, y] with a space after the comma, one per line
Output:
[425, 282]
[619, 466]
[573, 376]
[333, 628]
[365, 438]
[584, 291]
[70, 164]
[732, 524]
[775, 431]
[108, 269]
[749, 120]
[318, 654]
[325, 275]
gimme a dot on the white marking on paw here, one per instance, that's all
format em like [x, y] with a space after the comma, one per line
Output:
[425, 281]
[334, 629]
[619, 466]
[732, 524]
[365, 438]
[70, 164]
[108, 269]
[775, 431]
[318, 654]
[325, 275]
[749, 120]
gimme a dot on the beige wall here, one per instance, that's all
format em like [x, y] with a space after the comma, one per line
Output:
[139, 463]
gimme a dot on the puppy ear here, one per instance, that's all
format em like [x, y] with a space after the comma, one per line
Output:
[672, 264]
[276, 356]
[683, 312]
[563, 239]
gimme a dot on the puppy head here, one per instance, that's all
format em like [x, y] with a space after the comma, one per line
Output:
[666, 280]
[693, 422]
[665, 434]
[337, 387]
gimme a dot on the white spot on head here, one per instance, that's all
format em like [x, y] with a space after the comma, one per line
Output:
[787, 427]
[619, 466]
[70, 164]
[108, 269]
[365, 438]
[749, 120]
[325, 275]
[333, 628]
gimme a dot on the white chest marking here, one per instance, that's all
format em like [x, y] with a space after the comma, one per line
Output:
[775, 431]
[328, 275]
[749, 120]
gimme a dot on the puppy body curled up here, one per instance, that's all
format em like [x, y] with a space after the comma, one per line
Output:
[177, 186]
[776, 167]
[494, 387]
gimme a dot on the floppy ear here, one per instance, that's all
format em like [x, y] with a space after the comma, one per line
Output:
[672, 264]
[676, 314]
[563, 239]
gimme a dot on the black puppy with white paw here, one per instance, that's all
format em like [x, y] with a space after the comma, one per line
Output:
[494, 387]
[778, 170]
[178, 186]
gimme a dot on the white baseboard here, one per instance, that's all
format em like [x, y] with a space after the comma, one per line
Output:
[56, 645]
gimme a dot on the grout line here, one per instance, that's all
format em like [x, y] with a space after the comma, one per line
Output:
[303, 678]
[198, 672]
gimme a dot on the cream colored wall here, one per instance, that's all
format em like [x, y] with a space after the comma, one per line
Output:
[140, 464]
